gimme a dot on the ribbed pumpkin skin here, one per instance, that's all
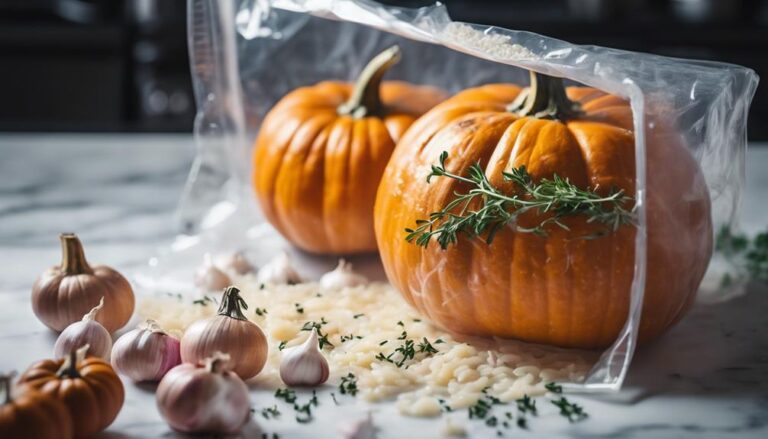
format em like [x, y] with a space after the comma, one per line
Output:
[34, 415]
[94, 398]
[556, 290]
[316, 172]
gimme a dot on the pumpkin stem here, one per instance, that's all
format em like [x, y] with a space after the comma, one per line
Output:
[72, 255]
[6, 384]
[69, 366]
[216, 362]
[232, 304]
[545, 99]
[366, 98]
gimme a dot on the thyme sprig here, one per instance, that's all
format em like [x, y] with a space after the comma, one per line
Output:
[556, 196]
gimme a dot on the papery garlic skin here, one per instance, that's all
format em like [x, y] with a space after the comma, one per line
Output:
[238, 263]
[359, 429]
[304, 365]
[86, 331]
[341, 277]
[209, 277]
[231, 332]
[146, 353]
[210, 399]
[279, 271]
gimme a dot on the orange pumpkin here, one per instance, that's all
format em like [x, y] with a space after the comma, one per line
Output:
[553, 289]
[26, 413]
[90, 389]
[322, 149]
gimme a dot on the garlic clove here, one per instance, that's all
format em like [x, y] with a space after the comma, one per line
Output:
[279, 271]
[238, 263]
[304, 365]
[146, 353]
[341, 277]
[360, 429]
[209, 277]
[86, 331]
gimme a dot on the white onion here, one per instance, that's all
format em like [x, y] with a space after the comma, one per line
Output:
[208, 277]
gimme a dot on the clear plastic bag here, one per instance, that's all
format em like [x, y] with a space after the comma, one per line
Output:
[247, 55]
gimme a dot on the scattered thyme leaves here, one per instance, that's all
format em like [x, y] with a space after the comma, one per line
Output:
[270, 412]
[318, 326]
[554, 387]
[357, 316]
[204, 301]
[573, 412]
[260, 311]
[286, 395]
[751, 255]
[426, 347]
[333, 397]
[348, 385]
[527, 405]
[282, 345]
[299, 308]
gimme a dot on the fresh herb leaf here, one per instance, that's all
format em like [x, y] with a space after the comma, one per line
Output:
[287, 395]
[356, 316]
[426, 347]
[485, 209]
[348, 385]
[270, 412]
[260, 311]
[317, 326]
[299, 308]
[282, 345]
[573, 412]
[527, 405]
[554, 388]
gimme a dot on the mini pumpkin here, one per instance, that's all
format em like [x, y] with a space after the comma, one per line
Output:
[26, 413]
[557, 289]
[88, 387]
[321, 151]
[63, 294]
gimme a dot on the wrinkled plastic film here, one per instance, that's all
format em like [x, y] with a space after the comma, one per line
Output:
[246, 55]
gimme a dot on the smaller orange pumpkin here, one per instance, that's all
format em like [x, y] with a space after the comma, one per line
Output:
[88, 387]
[322, 149]
[26, 413]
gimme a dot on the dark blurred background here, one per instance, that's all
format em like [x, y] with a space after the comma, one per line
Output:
[121, 65]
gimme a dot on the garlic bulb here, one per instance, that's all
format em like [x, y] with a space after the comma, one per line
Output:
[238, 263]
[359, 429]
[86, 331]
[146, 353]
[304, 365]
[208, 399]
[341, 277]
[279, 271]
[209, 277]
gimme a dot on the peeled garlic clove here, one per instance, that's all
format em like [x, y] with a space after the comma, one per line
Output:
[341, 277]
[209, 277]
[359, 429]
[279, 271]
[238, 263]
[146, 353]
[304, 365]
[86, 331]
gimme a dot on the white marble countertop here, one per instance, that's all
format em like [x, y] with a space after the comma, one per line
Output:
[707, 378]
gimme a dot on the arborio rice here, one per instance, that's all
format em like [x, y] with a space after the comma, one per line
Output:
[375, 320]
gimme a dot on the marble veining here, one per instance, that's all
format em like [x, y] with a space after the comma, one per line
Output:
[708, 378]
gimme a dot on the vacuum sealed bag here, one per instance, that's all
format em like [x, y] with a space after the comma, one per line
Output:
[515, 186]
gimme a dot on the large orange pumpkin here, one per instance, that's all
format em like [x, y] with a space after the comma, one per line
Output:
[555, 289]
[322, 149]
[89, 388]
